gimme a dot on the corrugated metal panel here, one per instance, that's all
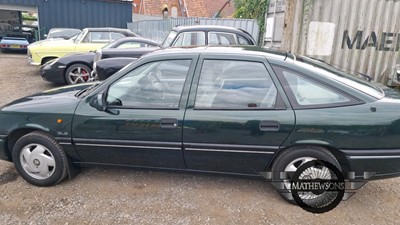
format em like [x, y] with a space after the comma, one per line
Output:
[81, 14]
[20, 2]
[141, 17]
[158, 29]
[360, 36]
[78, 13]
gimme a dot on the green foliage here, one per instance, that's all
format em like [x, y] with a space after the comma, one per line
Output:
[28, 17]
[252, 9]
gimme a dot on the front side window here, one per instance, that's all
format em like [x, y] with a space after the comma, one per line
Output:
[190, 38]
[306, 92]
[231, 84]
[153, 85]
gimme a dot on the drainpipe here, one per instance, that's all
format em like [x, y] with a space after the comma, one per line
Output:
[184, 4]
[216, 15]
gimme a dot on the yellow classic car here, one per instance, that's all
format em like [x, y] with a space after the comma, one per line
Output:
[90, 39]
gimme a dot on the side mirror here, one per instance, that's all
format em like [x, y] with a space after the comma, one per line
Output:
[99, 102]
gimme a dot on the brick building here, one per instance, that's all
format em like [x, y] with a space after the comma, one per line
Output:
[184, 8]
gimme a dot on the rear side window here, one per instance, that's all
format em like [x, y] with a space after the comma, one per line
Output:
[132, 44]
[243, 41]
[115, 36]
[305, 92]
[231, 84]
[220, 38]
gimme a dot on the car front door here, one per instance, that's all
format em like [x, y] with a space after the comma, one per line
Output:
[142, 123]
[237, 117]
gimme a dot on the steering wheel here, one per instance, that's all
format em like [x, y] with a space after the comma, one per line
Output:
[154, 86]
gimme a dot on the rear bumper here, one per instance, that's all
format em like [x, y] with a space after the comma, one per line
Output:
[384, 162]
[15, 49]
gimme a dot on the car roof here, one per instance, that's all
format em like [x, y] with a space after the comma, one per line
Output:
[205, 28]
[60, 28]
[136, 39]
[106, 29]
[237, 50]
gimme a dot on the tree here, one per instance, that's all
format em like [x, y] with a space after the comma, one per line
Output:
[252, 9]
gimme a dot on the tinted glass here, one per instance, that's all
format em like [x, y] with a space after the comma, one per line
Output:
[228, 84]
[369, 88]
[308, 92]
[153, 85]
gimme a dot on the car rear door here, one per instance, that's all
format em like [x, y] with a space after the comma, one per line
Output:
[142, 125]
[237, 117]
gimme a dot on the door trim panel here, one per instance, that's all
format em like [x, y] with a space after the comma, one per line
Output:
[233, 151]
[128, 144]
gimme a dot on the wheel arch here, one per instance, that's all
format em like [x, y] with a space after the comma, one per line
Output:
[45, 59]
[340, 157]
[77, 62]
[15, 135]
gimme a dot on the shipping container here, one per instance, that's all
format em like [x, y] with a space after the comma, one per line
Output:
[358, 36]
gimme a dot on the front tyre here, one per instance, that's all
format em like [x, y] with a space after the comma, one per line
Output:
[78, 73]
[39, 159]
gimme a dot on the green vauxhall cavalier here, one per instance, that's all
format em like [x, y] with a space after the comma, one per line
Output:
[240, 111]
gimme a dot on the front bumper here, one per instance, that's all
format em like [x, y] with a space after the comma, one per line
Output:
[53, 73]
[384, 162]
[31, 62]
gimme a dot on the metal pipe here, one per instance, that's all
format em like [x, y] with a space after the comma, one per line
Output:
[187, 11]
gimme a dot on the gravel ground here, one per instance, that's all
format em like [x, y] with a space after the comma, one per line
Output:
[128, 196]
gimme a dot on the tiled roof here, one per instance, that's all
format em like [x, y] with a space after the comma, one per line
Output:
[195, 8]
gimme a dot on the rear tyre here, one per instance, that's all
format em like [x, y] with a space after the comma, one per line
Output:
[291, 159]
[77, 73]
[39, 159]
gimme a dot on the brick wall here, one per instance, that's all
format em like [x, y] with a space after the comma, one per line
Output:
[196, 8]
